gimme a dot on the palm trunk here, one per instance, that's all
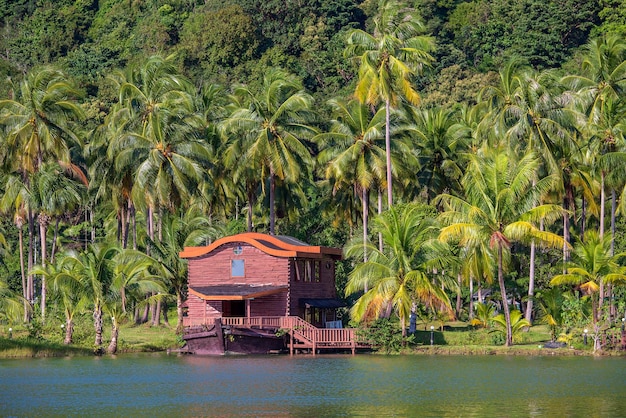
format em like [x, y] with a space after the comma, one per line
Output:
[505, 303]
[609, 290]
[272, 198]
[365, 204]
[54, 240]
[97, 324]
[42, 233]
[602, 209]
[471, 301]
[388, 152]
[531, 281]
[459, 280]
[380, 210]
[93, 226]
[69, 331]
[112, 349]
[23, 274]
[31, 237]
[250, 205]
[179, 312]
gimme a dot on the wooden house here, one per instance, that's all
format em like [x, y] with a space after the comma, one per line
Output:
[259, 281]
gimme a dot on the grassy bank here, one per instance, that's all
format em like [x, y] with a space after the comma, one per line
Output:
[454, 338]
[47, 341]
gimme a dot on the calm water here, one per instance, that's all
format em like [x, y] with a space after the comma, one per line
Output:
[304, 386]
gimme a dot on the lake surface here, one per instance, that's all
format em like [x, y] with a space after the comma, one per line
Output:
[163, 385]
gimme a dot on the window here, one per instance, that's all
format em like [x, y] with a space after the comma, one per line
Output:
[308, 270]
[237, 268]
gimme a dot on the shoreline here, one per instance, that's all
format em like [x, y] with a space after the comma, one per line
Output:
[29, 349]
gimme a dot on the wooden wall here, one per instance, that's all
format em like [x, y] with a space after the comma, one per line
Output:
[261, 269]
[324, 289]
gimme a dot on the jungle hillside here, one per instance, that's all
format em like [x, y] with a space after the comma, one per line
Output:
[468, 156]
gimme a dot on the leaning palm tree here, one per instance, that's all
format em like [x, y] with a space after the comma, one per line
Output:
[400, 276]
[499, 206]
[266, 132]
[388, 60]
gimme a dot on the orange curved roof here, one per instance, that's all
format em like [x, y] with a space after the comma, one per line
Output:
[279, 246]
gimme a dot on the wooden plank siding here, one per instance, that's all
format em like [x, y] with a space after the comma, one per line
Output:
[268, 261]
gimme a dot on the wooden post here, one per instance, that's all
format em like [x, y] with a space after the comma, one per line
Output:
[291, 342]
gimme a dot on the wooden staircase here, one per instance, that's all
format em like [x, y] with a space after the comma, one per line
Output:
[302, 335]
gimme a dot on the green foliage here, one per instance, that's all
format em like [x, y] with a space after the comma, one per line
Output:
[483, 315]
[542, 33]
[518, 324]
[217, 41]
[385, 335]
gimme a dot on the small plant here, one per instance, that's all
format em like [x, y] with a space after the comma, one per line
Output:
[35, 329]
[483, 316]
[385, 335]
[518, 323]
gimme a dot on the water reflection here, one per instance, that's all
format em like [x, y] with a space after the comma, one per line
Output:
[161, 385]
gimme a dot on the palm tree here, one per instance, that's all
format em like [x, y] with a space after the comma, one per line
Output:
[11, 304]
[528, 114]
[602, 82]
[435, 135]
[592, 264]
[388, 59]
[67, 290]
[499, 206]
[398, 277]
[272, 123]
[157, 146]
[517, 323]
[38, 128]
[15, 201]
[179, 232]
[54, 195]
[351, 155]
[96, 266]
[551, 310]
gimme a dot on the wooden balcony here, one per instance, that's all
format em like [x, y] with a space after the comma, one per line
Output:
[302, 335]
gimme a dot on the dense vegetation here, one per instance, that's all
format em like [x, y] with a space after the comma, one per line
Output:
[488, 136]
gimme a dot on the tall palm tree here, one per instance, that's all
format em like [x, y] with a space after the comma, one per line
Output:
[351, 154]
[388, 60]
[499, 206]
[527, 113]
[189, 230]
[15, 200]
[38, 128]
[601, 83]
[273, 124]
[157, 147]
[54, 195]
[400, 276]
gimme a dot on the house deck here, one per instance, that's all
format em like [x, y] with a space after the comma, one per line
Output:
[302, 335]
